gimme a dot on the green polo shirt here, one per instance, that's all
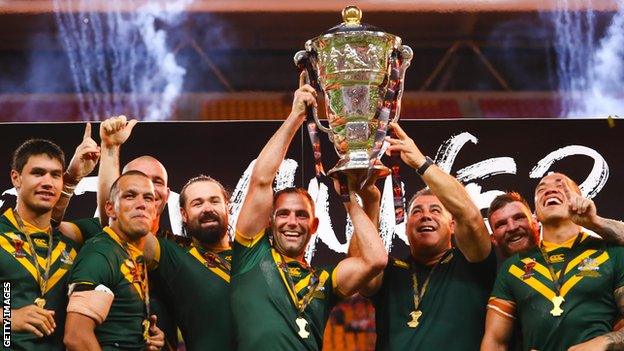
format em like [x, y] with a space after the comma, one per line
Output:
[453, 306]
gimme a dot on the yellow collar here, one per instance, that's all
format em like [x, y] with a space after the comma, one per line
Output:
[131, 249]
[28, 227]
[548, 246]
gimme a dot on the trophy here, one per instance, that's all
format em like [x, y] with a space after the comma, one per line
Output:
[358, 72]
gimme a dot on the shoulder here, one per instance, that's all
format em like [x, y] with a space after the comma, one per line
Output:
[101, 244]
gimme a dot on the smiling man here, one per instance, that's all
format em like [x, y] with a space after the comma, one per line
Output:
[279, 301]
[567, 292]
[514, 229]
[35, 257]
[419, 299]
[196, 277]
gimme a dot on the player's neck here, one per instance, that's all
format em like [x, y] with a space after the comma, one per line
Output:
[429, 259]
[156, 225]
[139, 243]
[39, 220]
[221, 245]
[559, 232]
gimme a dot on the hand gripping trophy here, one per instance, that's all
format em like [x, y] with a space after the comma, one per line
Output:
[358, 71]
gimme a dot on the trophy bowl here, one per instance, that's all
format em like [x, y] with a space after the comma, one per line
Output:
[358, 71]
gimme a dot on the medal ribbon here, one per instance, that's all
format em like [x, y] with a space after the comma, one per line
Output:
[558, 281]
[313, 284]
[143, 279]
[418, 294]
[41, 280]
[213, 261]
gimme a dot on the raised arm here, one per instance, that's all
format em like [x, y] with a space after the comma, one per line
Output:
[113, 133]
[256, 210]
[584, 213]
[371, 197]
[356, 271]
[81, 165]
[471, 234]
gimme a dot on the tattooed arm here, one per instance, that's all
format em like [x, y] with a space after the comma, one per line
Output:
[610, 341]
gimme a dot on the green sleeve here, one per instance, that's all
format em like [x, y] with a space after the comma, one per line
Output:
[501, 289]
[88, 227]
[168, 259]
[247, 253]
[92, 266]
[617, 255]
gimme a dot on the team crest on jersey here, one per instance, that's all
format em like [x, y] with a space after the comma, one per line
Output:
[528, 269]
[294, 271]
[589, 267]
[66, 259]
[319, 293]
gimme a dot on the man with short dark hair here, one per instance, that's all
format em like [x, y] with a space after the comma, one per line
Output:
[566, 292]
[114, 132]
[108, 294]
[196, 277]
[279, 301]
[434, 299]
[34, 256]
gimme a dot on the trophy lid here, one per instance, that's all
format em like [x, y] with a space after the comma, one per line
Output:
[351, 17]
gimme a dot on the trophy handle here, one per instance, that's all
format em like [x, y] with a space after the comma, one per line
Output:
[406, 54]
[303, 61]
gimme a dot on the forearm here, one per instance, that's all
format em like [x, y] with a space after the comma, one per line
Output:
[69, 184]
[490, 344]
[86, 342]
[107, 174]
[370, 247]
[451, 193]
[614, 340]
[609, 229]
[273, 153]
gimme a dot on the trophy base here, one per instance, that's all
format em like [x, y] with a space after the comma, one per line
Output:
[359, 169]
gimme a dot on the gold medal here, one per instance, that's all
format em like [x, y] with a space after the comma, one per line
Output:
[557, 301]
[415, 316]
[302, 323]
[40, 301]
[146, 326]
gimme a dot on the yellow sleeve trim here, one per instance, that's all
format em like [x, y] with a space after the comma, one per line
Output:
[335, 286]
[249, 241]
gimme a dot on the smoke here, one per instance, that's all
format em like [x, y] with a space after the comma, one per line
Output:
[123, 61]
[590, 69]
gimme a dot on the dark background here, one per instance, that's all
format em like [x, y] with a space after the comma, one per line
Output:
[224, 151]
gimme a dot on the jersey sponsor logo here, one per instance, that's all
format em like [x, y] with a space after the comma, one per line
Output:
[589, 267]
[528, 269]
[401, 264]
[558, 258]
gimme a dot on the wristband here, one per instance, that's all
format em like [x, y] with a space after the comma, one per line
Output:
[423, 168]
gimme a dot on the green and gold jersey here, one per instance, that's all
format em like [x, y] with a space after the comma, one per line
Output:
[199, 284]
[263, 303]
[105, 260]
[453, 305]
[593, 271]
[17, 268]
